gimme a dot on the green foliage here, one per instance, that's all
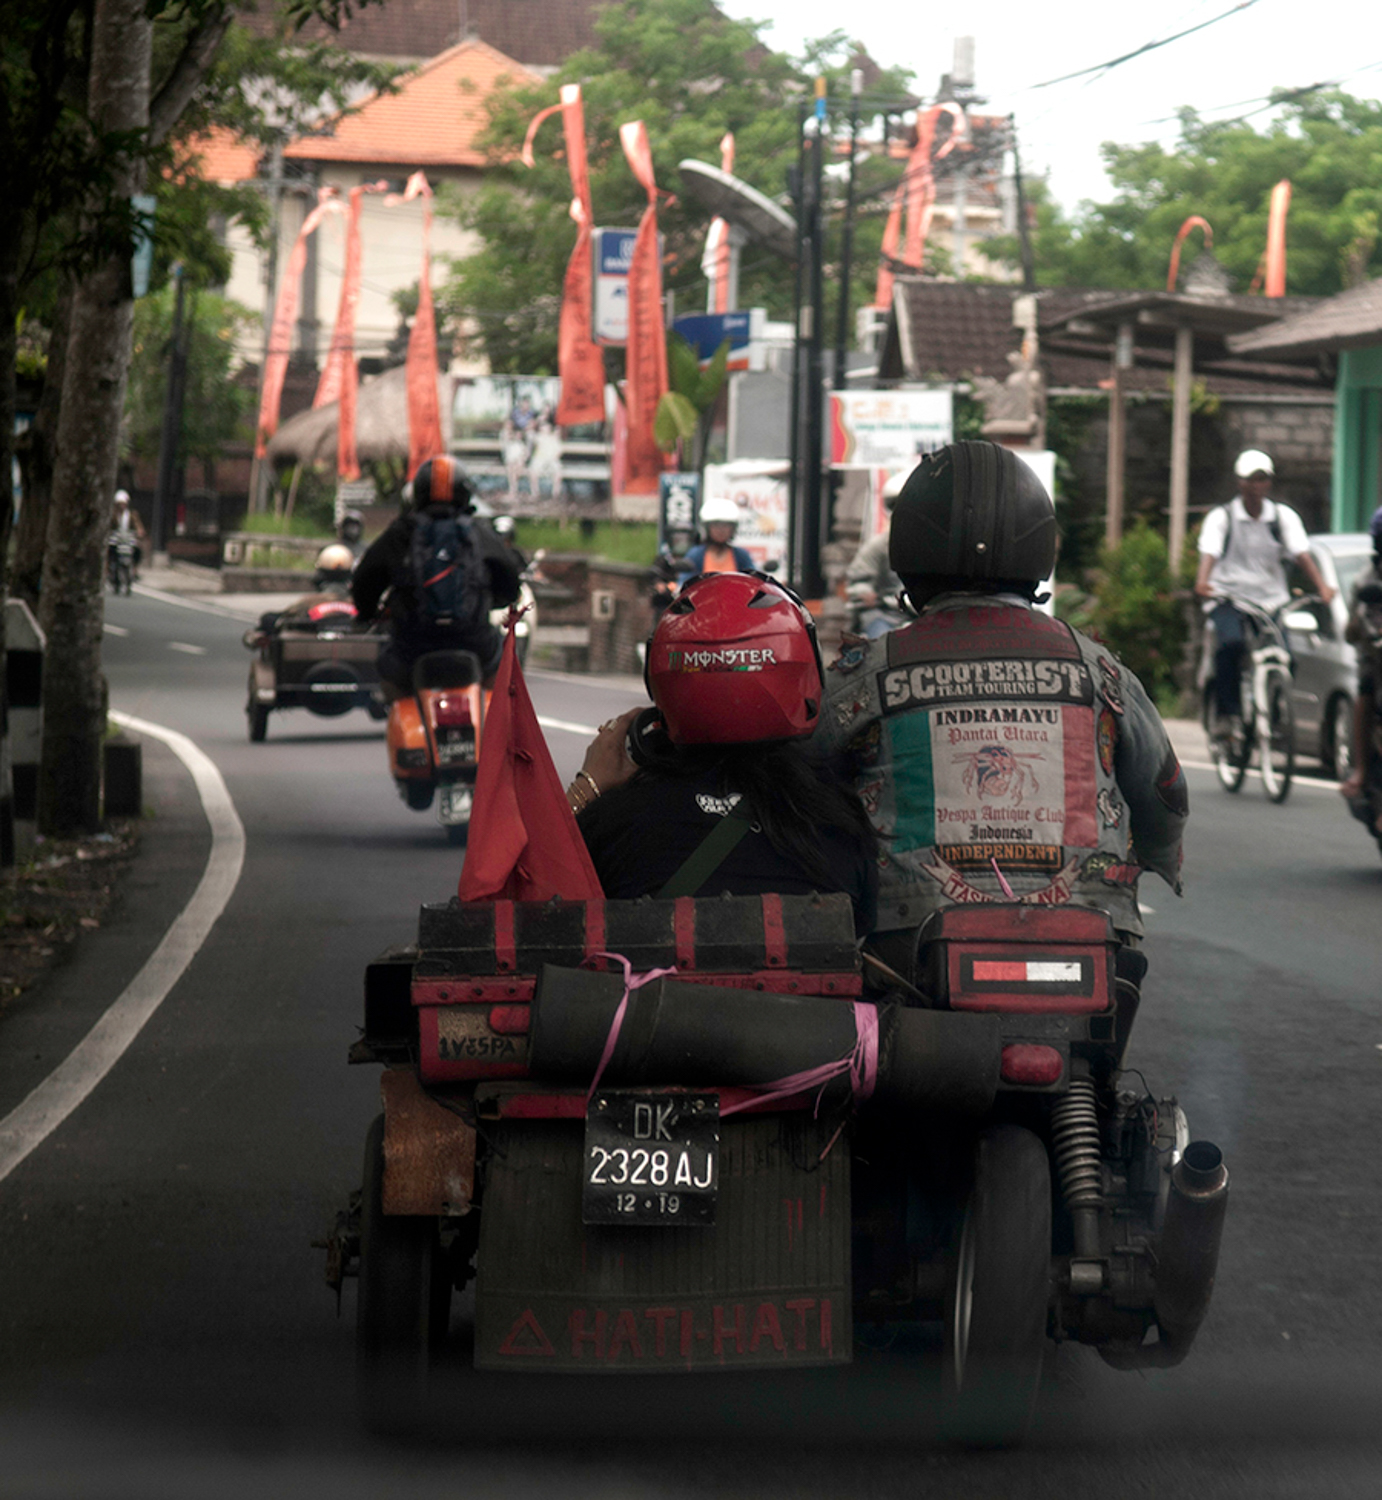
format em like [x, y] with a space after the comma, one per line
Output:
[298, 524]
[1327, 143]
[690, 74]
[1137, 610]
[675, 422]
[215, 409]
[620, 541]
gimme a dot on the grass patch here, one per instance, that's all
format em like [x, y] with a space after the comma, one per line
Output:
[620, 541]
[268, 524]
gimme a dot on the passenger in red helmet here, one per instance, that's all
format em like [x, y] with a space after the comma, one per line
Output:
[727, 797]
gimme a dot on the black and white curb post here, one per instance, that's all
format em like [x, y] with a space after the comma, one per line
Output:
[24, 644]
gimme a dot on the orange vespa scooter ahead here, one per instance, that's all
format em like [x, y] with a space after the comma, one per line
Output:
[434, 738]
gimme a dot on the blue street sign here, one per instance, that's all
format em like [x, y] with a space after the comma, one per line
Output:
[705, 332]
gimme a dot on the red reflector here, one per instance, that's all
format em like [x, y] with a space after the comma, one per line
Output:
[1029, 1062]
[452, 713]
[508, 1019]
[994, 971]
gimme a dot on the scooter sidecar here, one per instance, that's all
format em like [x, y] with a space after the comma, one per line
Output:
[315, 658]
[743, 1160]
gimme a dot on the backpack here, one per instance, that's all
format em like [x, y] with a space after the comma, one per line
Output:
[448, 573]
[1274, 526]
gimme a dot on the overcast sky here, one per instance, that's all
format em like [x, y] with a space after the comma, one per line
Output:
[1224, 70]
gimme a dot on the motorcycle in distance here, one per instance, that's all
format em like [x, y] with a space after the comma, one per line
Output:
[688, 1135]
[434, 736]
[314, 656]
[120, 547]
[1367, 623]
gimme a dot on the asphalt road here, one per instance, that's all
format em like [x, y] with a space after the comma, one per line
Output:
[164, 1328]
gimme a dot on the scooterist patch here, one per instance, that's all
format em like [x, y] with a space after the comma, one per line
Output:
[936, 684]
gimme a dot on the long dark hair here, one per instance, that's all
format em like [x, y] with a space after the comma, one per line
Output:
[794, 793]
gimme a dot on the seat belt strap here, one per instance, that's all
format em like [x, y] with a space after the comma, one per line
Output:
[710, 853]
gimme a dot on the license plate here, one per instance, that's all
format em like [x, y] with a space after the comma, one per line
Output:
[454, 803]
[456, 747]
[651, 1158]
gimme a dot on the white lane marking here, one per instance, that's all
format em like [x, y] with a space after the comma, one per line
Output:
[566, 726]
[114, 629]
[207, 609]
[186, 649]
[31, 1122]
[1312, 783]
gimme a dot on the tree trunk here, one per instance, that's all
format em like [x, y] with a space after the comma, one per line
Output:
[36, 465]
[93, 393]
[9, 342]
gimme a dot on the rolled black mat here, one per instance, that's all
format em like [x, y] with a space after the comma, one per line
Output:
[676, 1032]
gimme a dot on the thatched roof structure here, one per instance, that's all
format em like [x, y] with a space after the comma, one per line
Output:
[381, 424]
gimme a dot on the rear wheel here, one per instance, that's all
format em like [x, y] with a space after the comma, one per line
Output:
[418, 794]
[996, 1306]
[404, 1297]
[1276, 738]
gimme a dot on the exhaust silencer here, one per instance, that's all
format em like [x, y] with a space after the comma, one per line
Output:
[676, 1032]
[1188, 1250]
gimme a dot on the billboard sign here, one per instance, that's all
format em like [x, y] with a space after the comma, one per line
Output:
[612, 254]
[705, 332]
[678, 503]
[888, 429]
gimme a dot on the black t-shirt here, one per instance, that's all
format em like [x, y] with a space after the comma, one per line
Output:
[640, 834]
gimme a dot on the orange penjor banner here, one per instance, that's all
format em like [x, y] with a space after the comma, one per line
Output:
[580, 361]
[917, 190]
[646, 352]
[1276, 239]
[285, 315]
[340, 379]
[715, 261]
[424, 414]
[1193, 222]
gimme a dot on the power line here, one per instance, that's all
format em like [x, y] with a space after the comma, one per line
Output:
[1114, 62]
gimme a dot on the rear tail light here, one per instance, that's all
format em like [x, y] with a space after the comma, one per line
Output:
[452, 711]
[1032, 1063]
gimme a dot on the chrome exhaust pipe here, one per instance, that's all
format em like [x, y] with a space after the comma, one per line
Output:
[1188, 1249]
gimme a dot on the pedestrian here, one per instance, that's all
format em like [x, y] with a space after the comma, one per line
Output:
[1244, 548]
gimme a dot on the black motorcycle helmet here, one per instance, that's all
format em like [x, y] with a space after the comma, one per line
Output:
[441, 481]
[972, 513]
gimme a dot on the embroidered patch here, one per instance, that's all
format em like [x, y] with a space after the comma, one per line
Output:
[866, 744]
[848, 710]
[1106, 867]
[853, 649]
[717, 807]
[954, 887]
[871, 794]
[1108, 736]
[1110, 809]
[933, 684]
[1024, 857]
[1171, 787]
[1111, 685]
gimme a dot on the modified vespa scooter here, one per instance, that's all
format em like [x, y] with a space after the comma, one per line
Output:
[695, 1135]
[434, 738]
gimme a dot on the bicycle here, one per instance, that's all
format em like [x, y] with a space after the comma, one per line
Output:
[1267, 722]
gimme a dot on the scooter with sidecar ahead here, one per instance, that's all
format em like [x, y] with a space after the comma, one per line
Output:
[685, 1136]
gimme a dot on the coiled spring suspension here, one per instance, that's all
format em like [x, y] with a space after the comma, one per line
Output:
[1075, 1145]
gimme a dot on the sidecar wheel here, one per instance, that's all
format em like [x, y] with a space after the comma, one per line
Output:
[404, 1299]
[258, 722]
[999, 1291]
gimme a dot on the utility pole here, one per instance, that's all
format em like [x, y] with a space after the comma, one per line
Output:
[170, 432]
[812, 518]
[856, 87]
[797, 182]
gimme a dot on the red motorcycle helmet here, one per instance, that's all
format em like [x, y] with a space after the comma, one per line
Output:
[734, 661]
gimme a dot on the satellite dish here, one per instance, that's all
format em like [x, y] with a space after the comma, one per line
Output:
[724, 194]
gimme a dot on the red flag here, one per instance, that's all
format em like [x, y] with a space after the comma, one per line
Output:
[646, 355]
[580, 361]
[340, 380]
[285, 315]
[424, 414]
[523, 844]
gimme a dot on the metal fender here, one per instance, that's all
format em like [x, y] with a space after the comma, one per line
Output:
[429, 1153]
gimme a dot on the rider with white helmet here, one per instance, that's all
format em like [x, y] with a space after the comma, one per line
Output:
[717, 554]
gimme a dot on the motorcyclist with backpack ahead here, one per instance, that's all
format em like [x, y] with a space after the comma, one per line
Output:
[1002, 755]
[446, 569]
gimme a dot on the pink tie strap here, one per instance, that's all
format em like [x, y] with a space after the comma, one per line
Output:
[860, 1063]
[632, 982]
